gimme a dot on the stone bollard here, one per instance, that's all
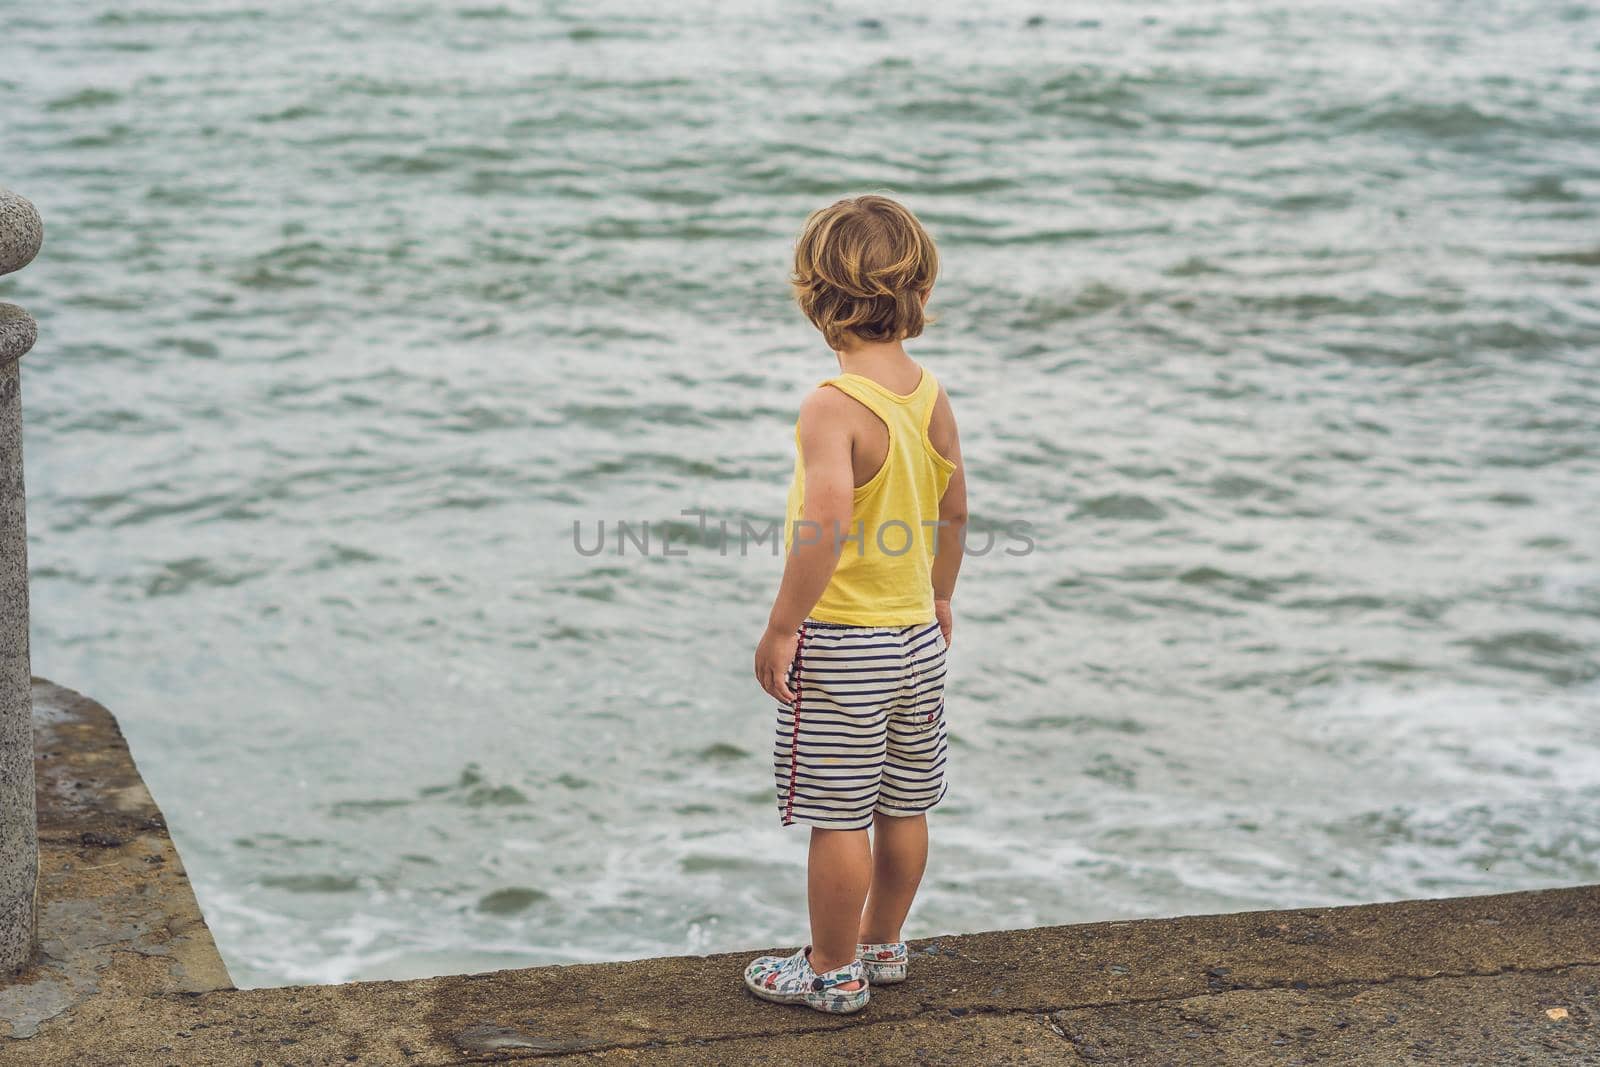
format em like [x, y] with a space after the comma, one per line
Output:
[20, 235]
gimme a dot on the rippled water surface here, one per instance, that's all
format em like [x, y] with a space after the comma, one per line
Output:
[1278, 320]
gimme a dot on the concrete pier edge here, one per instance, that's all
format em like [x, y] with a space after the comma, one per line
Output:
[128, 975]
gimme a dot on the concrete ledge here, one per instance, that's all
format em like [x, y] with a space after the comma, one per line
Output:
[1484, 980]
[1504, 979]
[116, 913]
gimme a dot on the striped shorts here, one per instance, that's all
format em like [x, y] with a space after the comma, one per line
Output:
[866, 731]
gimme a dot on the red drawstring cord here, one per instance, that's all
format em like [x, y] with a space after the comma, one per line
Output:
[794, 739]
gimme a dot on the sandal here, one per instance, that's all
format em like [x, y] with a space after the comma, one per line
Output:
[790, 980]
[884, 964]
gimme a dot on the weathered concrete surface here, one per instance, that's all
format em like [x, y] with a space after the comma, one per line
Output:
[116, 914]
[1489, 980]
[1528, 1017]
[1512, 979]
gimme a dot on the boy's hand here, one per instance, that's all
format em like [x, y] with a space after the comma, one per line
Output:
[947, 620]
[774, 655]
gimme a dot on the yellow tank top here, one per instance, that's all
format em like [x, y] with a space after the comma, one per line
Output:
[885, 572]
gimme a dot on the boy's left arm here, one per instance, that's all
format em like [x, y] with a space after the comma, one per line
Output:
[829, 495]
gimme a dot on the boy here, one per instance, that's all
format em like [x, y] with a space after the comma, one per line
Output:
[854, 649]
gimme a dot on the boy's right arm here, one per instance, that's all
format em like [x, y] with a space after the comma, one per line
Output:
[829, 495]
[952, 515]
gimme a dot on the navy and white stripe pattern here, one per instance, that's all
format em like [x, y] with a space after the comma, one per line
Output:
[866, 731]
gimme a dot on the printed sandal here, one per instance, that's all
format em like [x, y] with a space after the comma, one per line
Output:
[885, 964]
[790, 980]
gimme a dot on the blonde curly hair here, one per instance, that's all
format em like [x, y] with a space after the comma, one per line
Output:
[862, 268]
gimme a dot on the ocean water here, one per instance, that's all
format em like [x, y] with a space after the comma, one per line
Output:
[1278, 321]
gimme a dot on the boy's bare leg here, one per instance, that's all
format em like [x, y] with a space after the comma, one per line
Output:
[838, 872]
[899, 855]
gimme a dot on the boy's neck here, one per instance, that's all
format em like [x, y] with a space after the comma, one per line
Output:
[866, 358]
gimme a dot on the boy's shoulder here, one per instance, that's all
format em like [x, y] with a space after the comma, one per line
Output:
[826, 402]
[827, 413]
